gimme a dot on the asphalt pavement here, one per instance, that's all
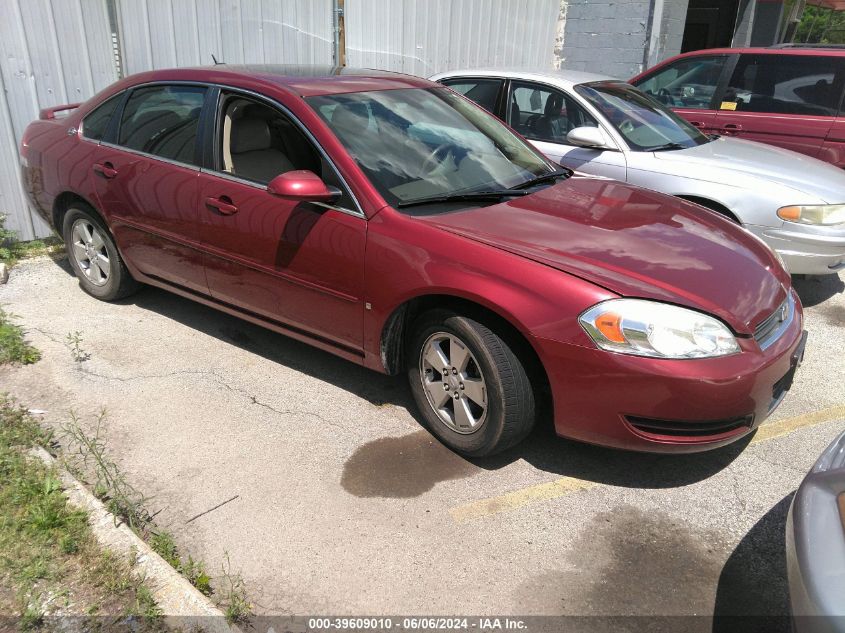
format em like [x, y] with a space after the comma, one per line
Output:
[337, 502]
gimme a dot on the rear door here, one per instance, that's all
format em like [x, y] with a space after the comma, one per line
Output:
[545, 115]
[690, 86]
[786, 100]
[296, 263]
[145, 173]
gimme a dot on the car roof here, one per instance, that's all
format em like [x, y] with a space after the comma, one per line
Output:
[302, 80]
[772, 50]
[563, 78]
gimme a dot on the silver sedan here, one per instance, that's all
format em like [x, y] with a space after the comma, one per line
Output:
[605, 127]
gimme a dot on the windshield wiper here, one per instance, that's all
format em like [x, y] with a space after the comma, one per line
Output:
[468, 196]
[664, 147]
[539, 180]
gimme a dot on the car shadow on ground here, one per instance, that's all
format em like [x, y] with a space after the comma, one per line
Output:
[542, 449]
[753, 593]
[814, 290]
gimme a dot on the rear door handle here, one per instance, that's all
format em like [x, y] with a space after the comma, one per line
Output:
[696, 123]
[106, 170]
[223, 204]
[731, 127]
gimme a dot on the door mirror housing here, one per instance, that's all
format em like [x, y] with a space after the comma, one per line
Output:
[304, 186]
[588, 137]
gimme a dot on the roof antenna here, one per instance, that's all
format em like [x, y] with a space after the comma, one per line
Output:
[216, 63]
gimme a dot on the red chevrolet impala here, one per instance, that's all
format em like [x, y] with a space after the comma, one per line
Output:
[394, 223]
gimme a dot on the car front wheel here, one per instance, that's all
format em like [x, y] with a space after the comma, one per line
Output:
[472, 390]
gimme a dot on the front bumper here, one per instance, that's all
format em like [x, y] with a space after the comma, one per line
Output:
[806, 249]
[815, 546]
[602, 397]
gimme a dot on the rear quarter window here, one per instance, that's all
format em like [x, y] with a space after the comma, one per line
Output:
[94, 125]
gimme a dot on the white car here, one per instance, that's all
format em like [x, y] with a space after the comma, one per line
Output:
[606, 127]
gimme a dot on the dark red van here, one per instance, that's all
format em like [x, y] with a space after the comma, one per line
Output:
[790, 96]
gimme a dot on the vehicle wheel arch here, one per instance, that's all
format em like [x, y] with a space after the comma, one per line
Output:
[397, 329]
[713, 205]
[64, 202]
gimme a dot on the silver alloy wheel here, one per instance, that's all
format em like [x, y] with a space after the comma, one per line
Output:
[453, 383]
[89, 251]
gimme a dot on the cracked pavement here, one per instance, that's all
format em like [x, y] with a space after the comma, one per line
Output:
[343, 502]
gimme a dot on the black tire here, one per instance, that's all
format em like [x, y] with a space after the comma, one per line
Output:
[510, 402]
[119, 282]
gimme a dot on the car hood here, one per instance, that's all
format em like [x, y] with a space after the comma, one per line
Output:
[737, 156]
[636, 243]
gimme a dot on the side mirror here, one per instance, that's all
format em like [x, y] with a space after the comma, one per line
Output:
[302, 185]
[587, 137]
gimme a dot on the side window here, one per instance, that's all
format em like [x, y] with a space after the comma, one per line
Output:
[688, 83]
[257, 142]
[785, 84]
[545, 114]
[163, 120]
[95, 124]
[482, 91]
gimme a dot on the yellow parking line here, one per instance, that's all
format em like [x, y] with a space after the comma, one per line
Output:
[787, 426]
[568, 485]
[517, 498]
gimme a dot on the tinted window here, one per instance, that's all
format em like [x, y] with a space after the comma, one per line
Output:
[482, 91]
[785, 84]
[545, 114]
[688, 83]
[95, 124]
[162, 120]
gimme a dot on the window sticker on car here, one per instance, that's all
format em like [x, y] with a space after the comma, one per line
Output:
[728, 105]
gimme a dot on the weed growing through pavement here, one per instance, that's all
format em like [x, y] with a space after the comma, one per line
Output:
[233, 599]
[74, 343]
[13, 345]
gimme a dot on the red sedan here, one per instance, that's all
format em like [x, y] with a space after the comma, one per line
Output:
[392, 222]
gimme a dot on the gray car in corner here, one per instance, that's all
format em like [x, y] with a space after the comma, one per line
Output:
[605, 127]
[815, 546]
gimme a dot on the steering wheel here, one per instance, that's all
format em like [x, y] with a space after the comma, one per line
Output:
[665, 96]
[437, 156]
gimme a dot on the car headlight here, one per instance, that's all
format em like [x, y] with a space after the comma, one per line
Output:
[824, 214]
[659, 330]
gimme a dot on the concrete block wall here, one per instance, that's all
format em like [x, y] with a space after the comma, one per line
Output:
[619, 37]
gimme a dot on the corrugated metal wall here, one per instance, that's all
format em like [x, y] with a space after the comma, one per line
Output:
[422, 38]
[168, 33]
[61, 51]
[51, 52]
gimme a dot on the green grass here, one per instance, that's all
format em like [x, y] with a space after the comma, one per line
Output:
[46, 546]
[12, 251]
[13, 346]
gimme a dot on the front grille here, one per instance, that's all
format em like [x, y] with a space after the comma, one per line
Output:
[773, 326]
[681, 428]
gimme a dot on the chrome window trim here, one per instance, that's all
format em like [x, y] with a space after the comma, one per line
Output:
[358, 212]
[162, 159]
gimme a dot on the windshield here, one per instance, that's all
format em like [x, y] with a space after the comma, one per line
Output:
[417, 143]
[645, 124]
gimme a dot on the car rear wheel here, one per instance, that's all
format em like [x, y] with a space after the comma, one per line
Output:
[472, 390]
[94, 257]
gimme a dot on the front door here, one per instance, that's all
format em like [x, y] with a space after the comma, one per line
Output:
[545, 115]
[146, 180]
[296, 263]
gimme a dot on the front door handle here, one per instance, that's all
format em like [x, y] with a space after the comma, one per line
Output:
[697, 124]
[731, 128]
[223, 204]
[106, 169]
